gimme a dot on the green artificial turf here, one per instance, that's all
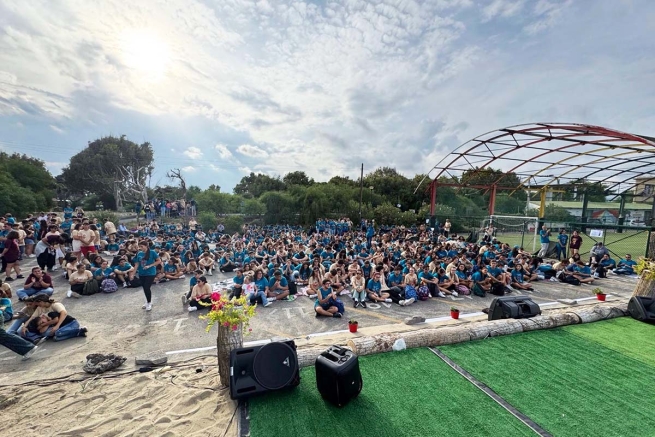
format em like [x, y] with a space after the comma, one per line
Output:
[409, 393]
[569, 384]
[623, 334]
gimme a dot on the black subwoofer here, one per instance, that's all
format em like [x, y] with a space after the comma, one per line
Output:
[513, 307]
[642, 308]
[259, 369]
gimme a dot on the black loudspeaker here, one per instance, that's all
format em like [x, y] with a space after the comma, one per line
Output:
[642, 308]
[338, 378]
[259, 369]
[513, 307]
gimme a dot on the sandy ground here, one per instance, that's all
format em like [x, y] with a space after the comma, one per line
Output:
[179, 401]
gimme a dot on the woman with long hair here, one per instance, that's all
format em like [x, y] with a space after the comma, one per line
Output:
[147, 261]
[10, 256]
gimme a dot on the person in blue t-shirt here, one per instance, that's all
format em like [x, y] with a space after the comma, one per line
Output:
[278, 287]
[625, 266]
[518, 278]
[562, 242]
[172, 270]
[147, 261]
[544, 238]
[261, 290]
[124, 272]
[374, 290]
[104, 272]
[326, 300]
[237, 286]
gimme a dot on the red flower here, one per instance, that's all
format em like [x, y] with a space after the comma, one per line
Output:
[216, 295]
[234, 327]
[226, 324]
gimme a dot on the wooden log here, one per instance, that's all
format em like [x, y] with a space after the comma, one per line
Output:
[645, 287]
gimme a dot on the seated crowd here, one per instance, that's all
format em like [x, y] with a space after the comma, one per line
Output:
[271, 263]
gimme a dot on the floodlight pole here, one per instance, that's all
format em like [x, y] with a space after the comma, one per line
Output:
[361, 188]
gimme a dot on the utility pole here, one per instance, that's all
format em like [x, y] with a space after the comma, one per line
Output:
[361, 188]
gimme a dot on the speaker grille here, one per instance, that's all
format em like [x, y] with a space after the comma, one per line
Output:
[275, 365]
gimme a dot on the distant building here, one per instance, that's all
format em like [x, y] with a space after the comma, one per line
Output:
[644, 189]
[608, 212]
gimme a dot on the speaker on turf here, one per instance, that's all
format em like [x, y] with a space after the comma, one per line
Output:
[338, 378]
[259, 369]
[513, 307]
[642, 308]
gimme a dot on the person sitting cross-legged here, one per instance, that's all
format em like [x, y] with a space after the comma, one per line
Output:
[278, 286]
[518, 280]
[625, 266]
[124, 272]
[77, 280]
[37, 282]
[172, 270]
[326, 303]
[374, 290]
[201, 294]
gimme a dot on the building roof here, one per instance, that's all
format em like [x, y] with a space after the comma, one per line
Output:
[629, 206]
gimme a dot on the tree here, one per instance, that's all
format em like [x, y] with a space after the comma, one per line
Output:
[297, 178]
[257, 184]
[111, 166]
[26, 186]
[558, 214]
[174, 174]
[280, 207]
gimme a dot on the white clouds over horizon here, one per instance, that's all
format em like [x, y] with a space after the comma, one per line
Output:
[313, 86]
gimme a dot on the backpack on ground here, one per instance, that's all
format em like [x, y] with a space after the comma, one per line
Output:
[423, 292]
[108, 286]
[90, 287]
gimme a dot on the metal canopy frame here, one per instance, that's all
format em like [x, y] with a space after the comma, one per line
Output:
[543, 154]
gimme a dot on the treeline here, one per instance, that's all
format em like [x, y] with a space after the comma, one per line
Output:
[116, 172]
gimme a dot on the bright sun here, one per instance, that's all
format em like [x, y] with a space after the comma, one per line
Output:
[146, 53]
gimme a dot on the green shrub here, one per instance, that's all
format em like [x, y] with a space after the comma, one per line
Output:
[208, 220]
[233, 223]
[104, 216]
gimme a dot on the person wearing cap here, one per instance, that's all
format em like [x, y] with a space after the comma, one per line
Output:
[278, 287]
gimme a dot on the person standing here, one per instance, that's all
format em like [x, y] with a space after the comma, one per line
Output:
[146, 261]
[544, 238]
[562, 241]
[576, 243]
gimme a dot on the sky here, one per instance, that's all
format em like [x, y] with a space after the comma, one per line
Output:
[227, 87]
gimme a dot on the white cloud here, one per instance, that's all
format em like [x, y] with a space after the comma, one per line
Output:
[57, 129]
[252, 151]
[325, 85]
[215, 168]
[246, 170]
[193, 153]
[223, 152]
[189, 168]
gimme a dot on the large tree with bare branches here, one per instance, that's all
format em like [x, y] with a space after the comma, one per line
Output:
[111, 167]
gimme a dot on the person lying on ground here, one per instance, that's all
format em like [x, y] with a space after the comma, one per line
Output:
[56, 325]
[44, 305]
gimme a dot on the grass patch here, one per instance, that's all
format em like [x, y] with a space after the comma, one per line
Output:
[623, 334]
[409, 393]
[569, 384]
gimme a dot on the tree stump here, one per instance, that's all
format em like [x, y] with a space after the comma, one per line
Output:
[226, 340]
[645, 287]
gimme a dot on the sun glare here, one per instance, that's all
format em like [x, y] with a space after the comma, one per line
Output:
[146, 53]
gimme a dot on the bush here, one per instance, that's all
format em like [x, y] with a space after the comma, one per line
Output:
[104, 216]
[208, 220]
[233, 223]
